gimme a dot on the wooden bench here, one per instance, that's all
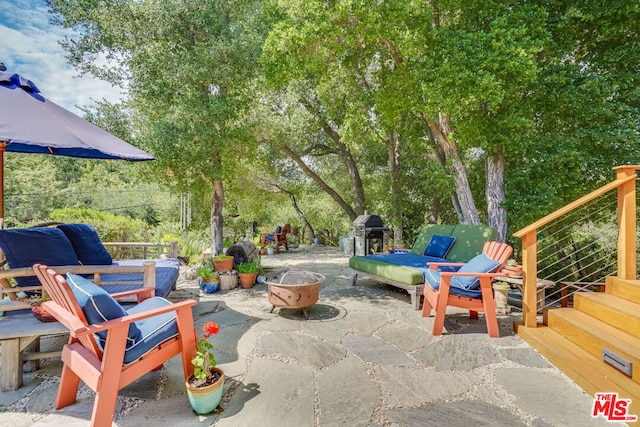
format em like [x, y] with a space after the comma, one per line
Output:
[20, 342]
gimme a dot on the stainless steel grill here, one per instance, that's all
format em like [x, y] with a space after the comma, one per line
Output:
[369, 234]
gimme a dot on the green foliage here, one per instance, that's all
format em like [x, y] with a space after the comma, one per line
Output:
[551, 85]
[249, 267]
[110, 227]
[207, 270]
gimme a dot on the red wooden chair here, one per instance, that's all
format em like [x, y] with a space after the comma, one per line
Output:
[461, 289]
[279, 238]
[111, 353]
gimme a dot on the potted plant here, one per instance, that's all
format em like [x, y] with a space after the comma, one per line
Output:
[271, 248]
[513, 268]
[204, 387]
[38, 311]
[223, 262]
[248, 272]
[209, 278]
[262, 250]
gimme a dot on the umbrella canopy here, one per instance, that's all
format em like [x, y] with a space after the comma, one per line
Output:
[30, 123]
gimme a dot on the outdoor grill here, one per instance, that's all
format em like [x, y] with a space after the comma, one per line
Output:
[369, 234]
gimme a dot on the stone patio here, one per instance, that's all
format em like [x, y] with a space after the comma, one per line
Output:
[364, 358]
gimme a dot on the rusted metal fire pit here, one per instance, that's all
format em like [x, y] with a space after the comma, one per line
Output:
[294, 289]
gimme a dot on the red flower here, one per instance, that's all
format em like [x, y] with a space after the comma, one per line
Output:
[210, 328]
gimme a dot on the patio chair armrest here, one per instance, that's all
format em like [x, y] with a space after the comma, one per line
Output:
[62, 315]
[105, 326]
[457, 273]
[139, 293]
[436, 265]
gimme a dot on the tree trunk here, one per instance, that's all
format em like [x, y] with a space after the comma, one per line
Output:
[393, 154]
[345, 155]
[441, 131]
[217, 205]
[495, 194]
[323, 185]
[301, 214]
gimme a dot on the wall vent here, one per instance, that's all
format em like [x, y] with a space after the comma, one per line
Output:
[617, 361]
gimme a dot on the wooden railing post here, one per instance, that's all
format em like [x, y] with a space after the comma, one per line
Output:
[627, 223]
[529, 279]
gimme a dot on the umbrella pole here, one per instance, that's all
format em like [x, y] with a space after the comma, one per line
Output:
[3, 145]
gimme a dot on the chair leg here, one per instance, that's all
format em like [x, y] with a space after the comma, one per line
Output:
[68, 388]
[104, 405]
[426, 308]
[438, 321]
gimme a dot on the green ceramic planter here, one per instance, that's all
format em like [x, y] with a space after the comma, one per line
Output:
[204, 400]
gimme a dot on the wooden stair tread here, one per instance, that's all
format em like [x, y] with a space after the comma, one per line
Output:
[611, 309]
[623, 305]
[586, 370]
[626, 288]
[593, 334]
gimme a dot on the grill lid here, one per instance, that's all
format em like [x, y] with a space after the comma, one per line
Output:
[368, 221]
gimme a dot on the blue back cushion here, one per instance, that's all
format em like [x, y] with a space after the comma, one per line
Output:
[478, 264]
[278, 229]
[439, 246]
[98, 306]
[28, 246]
[87, 244]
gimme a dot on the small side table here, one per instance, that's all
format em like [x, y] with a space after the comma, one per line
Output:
[541, 286]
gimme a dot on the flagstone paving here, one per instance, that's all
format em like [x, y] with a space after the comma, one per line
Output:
[363, 358]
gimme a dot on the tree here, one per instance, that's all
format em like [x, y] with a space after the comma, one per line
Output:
[184, 64]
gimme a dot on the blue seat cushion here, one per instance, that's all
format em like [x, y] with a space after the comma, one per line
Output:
[87, 244]
[167, 272]
[24, 247]
[478, 264]
[153, 330]
[98, 306]
[439, 246]
[433, 280]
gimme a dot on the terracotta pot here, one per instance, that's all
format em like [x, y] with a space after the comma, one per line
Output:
[247, 280]
[263, 251]
[223, 264]
[514, 270]
[41, 314]
[205, 399]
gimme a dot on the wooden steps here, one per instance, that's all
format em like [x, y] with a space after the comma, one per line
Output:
[573, 339]
[586, 370]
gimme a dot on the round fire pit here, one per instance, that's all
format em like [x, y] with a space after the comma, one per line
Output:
[294, 289]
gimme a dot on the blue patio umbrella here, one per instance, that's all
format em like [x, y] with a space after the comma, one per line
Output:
[30, 123]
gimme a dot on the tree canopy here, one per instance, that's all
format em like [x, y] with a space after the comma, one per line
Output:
[436, 111]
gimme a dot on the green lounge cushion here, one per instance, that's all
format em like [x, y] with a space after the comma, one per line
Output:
[397, 273]
[469, 241]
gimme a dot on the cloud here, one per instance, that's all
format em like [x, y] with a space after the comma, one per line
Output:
[30, 47]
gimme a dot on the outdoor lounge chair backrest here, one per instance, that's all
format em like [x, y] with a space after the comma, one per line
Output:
[59, 290]
[498, 251]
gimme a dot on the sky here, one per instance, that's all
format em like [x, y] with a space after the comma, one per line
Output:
[29, 46]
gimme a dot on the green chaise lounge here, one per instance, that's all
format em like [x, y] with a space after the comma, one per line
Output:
[406, 271]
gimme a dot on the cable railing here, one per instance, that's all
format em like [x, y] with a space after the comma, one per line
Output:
[576, 247]
[578, 251]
